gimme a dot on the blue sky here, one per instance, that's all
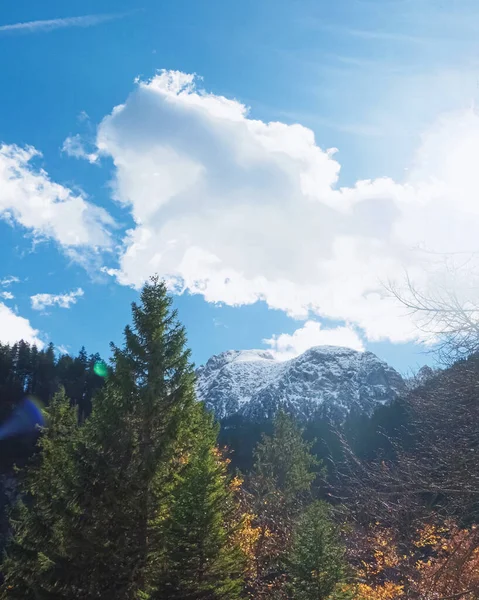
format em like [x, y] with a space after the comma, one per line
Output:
[267, 235]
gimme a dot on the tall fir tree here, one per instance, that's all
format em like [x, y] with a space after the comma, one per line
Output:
[316, 565]
[129, 452]
[202, 560]
[126, 472]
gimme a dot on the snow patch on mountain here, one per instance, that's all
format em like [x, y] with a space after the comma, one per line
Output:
[329, 379]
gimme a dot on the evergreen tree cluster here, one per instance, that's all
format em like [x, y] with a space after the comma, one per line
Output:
[27, 370]
[132, 502]
[24, 369]
[130, 496]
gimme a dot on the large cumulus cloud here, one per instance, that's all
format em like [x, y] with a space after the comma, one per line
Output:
[240, 210]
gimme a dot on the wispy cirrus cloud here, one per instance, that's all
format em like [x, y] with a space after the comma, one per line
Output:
[376, 34]
[7, 281]
[386, 36]
[51, 24]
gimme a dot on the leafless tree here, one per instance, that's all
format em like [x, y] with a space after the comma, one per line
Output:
[434, 478]
[447, 319]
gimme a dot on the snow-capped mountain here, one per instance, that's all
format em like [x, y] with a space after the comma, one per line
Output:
[326, 378]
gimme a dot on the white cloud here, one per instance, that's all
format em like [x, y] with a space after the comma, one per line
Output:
[51, 24]
[14, 328]
[74, 146]
[239, 210]
[7, 281]
[49, 210]
[7, 295]
[83, 116]
[286, 346]
[41, 301]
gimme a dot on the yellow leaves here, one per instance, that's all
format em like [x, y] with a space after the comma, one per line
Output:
[220, 455]
[236, 483]
[267, 533]
[246, 537]
[383, 553]
[423, 564]
[454, 566]
[430, 535]
[387, 591]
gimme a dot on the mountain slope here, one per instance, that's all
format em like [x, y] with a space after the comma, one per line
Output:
[328, 379]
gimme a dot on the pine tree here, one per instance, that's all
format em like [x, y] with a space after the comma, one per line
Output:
[6, 369]
[23, 365]
[201, 560]
[316, 565]
[45, 380]
[279, 488]
[127, 454]
[139, 427]
[36, 557]
[283, 462]
[146, 450]
[125, 459]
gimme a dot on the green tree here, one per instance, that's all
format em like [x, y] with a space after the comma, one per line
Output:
[284, 463]
[44, 376]
[131, 449]
[40, 522]
[201, 560]
[279, 488]
[137, 496]
[125, 460]
[316, 565]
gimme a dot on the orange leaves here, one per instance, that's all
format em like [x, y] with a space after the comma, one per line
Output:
[453, 568]
[246, 537]
[441, 561]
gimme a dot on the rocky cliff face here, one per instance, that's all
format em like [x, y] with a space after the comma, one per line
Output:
[328, 379]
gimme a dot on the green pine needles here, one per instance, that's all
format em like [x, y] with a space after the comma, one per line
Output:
[133, 503]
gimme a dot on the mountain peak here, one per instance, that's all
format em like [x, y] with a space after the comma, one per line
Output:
[330, 379]
[240, 356]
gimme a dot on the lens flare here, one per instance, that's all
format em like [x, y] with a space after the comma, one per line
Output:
[100, 368]
[26, 418]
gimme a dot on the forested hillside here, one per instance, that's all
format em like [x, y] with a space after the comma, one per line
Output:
[25, 370]
[132, 491]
